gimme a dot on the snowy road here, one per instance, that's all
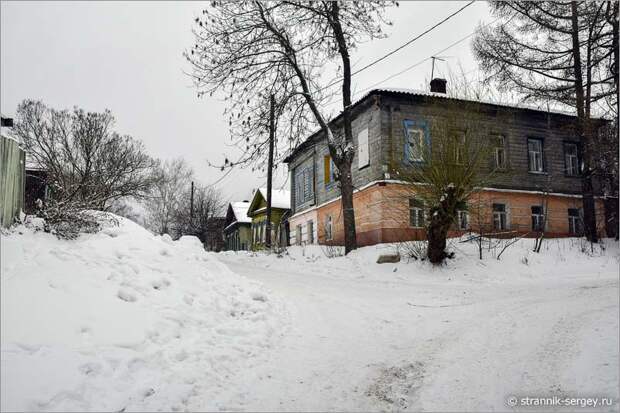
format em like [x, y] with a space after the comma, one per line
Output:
[367, 337]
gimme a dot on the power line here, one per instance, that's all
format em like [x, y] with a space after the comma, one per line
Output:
[413, 40]
[421, 61]
[385, 56]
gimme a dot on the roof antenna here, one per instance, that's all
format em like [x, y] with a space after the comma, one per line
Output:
[433, 66]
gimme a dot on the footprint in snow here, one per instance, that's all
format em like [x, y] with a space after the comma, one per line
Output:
[126, 296]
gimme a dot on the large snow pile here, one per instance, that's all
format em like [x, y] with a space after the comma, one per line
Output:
[125, 320]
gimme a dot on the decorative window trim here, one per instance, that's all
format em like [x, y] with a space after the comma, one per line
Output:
[412, 124]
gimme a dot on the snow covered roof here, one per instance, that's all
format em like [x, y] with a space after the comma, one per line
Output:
[280, 198]
[417, 92]
[240, 210]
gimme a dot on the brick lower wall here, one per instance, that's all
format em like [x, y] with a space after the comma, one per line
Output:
[382, 214]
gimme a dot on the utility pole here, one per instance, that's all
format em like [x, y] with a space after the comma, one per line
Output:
[272, 133]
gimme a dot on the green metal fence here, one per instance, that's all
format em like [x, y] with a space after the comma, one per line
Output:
[12, 176]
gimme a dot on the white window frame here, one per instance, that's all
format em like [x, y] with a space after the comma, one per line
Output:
[571, 160]
[575, 222]
[500, 147]
[497, 217]
[417, 214]
[416, 153]
[536, 157]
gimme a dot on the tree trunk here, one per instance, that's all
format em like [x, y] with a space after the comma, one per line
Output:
[437, 234]
[584, 133]
[345, 159]
[270, 171]
[348, 214]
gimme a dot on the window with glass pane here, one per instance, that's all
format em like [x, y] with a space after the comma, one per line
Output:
[416, 213]
[416, 144]
[574, 221]
[328, 228]
[535, 155]
[538, 218]
[459, 148]
[500, 152]
[571, 159]
[499, 217]
[310, 232]
[463, 220]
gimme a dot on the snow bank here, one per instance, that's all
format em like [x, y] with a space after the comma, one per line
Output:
[124, 320]
[558, 258]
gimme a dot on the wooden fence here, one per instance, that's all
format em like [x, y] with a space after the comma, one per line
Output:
[12, 177]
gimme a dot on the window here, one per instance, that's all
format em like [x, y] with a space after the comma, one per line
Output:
[328, 228]
[363, 153]
[463, 220]
[535, 155]
[500, 221]
[310, 232]
[459, 148]
[298, 235]
[329, 170]
[304, 188]
[415, 144]
[574, 221]
[500, 152]
[416, 213]
[538, 218]
[571, 159]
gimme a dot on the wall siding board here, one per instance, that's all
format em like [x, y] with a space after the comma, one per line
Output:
[12, 178]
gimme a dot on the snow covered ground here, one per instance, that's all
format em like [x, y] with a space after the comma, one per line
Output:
[123, 320]
[464, 337]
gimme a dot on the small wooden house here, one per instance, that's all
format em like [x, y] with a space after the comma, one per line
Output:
[280, 207]
[237, 228]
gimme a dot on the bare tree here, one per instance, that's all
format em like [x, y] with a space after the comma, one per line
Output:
[87, 163]
[448, 174]
[209, 203]
[252, 50]
[172, 179]
[560, 52]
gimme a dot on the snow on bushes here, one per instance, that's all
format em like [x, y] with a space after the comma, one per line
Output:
[124, 320]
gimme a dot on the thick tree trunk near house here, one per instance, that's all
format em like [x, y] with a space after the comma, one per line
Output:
[437, 234]
[584, 132]
[348, 213]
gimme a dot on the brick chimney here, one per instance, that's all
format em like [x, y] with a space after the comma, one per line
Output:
[438, 85]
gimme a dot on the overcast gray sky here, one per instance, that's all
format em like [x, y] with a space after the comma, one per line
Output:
[127, 57]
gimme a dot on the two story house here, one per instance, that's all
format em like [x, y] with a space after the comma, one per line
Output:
[535, 164]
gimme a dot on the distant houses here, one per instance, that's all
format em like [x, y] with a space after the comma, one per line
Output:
[238, 227]
[280, 209]
[246, 222]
